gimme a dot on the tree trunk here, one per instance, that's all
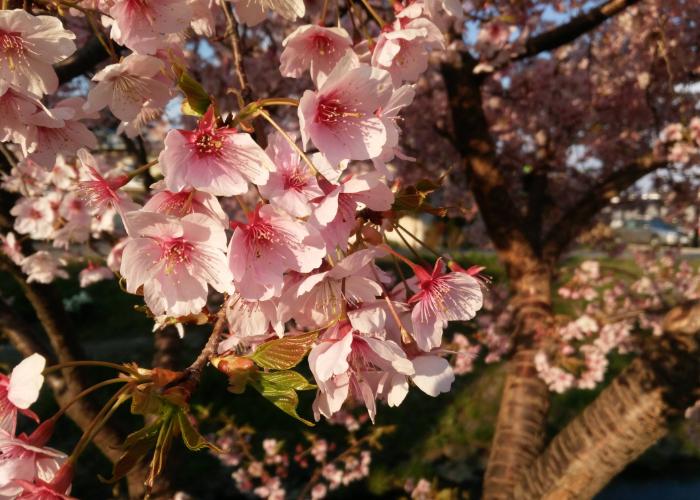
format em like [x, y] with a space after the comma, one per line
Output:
[520, 427]
[629, 416]
[520, 431]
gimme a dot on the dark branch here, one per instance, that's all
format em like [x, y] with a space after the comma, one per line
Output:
[84, 60]
[579, 25]
[581, 214]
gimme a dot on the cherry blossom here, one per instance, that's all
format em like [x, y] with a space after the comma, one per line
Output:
[29, 46]
[346, 363]
[441, 297]
[16, 108]
[335, 212]
[188, 201]
[215, 160]
[252, 12]
[268, 245]
[292, 186]
[315, 48]
[400, 98]
[100, 192]
[250, 320]
[174, 260]
[43, 267]
[141, 25]
[36, 216]
[317, 299]
[19, 391]
[93, 274]
[128, 86]
[403, 48]
[60, 131]
[339, 118]
[26, 459]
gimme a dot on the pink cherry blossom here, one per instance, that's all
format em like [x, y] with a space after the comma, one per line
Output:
[433, 374]
[15, 108]
[316, 300]
[20, 390]
[270, 244]
[43, 267]
[346, 363]
[339, 118]
[203, 21]
[335, 213]
[141, 25]
[188, 201]
[440, 298]
[26, 459]
[102, 192]
[174, 259]
[29, 46]
[315, 48]
[93, 274]
[250, 321]
[60, 131]
[403, 48]
[26, 178]
[220, 161]
[128, 86]
[400, 98]
[35, 216]
[252, 12]
[10, 246]
[292, 185]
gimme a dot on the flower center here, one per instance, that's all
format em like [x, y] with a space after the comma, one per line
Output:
[175, 253]
[208, 143]
[322, 45]
[11, 47]
[331, 111]
[295, 180]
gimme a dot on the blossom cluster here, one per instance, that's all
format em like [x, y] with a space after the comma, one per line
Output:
[316, 468]
[28, 467]
[681, 142]
[304, 256]
[612, 307]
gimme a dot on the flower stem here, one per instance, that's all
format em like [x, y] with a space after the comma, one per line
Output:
[106, 364]
[373, 13]
[418, 240]
[291, 141]
[278, 101]
[100, 420]
[87, 391]
[142, 169]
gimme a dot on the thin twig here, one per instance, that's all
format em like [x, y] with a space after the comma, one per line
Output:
[232, 28]
[194, 371]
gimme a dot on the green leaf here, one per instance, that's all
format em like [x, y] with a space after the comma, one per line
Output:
[136, 447]
[284, 353]
[415, 198]
[197, 100]
[160, 453]
[190, 435]
[280, 388]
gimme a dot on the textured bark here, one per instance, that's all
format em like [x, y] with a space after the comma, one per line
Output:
[629, 416]
[520, 427]
[519, 433]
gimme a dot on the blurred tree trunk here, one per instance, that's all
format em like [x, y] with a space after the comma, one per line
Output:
[520, 431]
